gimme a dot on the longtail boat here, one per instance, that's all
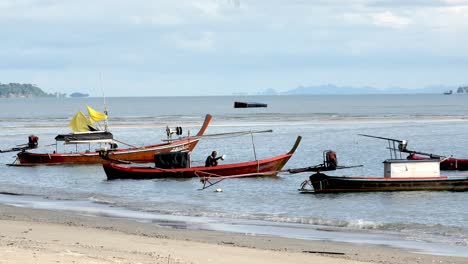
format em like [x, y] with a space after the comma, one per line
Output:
[264, 167]
[143, 154]
[323, 183]
[399, 175]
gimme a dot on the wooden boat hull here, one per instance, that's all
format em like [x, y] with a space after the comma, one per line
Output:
[119, 171]
[446, 164]
[265, 167]
[331, 184]
[138, 155]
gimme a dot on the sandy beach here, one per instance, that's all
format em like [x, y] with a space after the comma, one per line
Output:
[42, 236]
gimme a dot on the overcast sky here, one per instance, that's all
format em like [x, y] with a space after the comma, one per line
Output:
[221, 47]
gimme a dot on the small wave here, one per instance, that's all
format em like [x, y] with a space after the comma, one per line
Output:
[363, 224]
[413, 231]
[101, 200]
[461, 233]
[331, 223]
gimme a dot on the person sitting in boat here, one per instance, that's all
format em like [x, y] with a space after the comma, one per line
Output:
[212, 160]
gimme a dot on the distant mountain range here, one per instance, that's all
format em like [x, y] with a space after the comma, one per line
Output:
[333, 89]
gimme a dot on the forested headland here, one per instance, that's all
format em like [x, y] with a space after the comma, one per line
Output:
[24, 90]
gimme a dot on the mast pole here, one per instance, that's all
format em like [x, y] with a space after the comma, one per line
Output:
[390, 149]
[105, 105]
[254, 151]
[253, 145]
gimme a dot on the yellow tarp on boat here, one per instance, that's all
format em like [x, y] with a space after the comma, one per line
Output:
[80, 123]
[95, 115]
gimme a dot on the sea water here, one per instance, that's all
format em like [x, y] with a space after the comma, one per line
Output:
[433, 221]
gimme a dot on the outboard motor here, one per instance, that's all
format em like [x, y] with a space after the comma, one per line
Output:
[176, 130]
[330, 160]
[33, 141]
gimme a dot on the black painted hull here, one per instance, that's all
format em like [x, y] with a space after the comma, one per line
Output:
[248, 105]
[330, 184]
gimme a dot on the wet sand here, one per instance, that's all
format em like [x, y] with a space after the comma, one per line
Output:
[42, 236]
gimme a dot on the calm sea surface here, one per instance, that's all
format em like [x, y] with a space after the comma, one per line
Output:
[432, 221]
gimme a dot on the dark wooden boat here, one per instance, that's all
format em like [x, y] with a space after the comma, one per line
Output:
[264, 167]
[333, 184]
[134, 154]
[248, 104]
[400, 175]
[445, 163]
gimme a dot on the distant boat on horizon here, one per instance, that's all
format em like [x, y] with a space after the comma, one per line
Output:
[449, 92]
[248, 104]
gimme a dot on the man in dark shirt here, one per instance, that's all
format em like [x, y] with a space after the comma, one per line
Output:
[212, 160]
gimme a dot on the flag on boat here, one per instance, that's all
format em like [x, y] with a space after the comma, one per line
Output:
[80, 123]
[95, 115]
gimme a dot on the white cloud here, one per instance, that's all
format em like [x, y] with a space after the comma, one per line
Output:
[456, 2]
[388, 19]
[159, 20]
[222, 39]
[204, 41]
[210, 8]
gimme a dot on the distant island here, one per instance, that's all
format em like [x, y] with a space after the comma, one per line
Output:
[76, 94]
[462, 89]
[20, 90]
[328, 89]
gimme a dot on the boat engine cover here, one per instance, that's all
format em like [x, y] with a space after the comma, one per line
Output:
[172, 160]
[33, 141]
[331, 162]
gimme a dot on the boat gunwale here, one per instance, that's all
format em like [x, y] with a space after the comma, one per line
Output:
[274, 164]
[150, 169]
[350, 178]
[119, 151]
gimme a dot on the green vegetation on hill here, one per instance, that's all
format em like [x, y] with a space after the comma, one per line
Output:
[24, 90]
